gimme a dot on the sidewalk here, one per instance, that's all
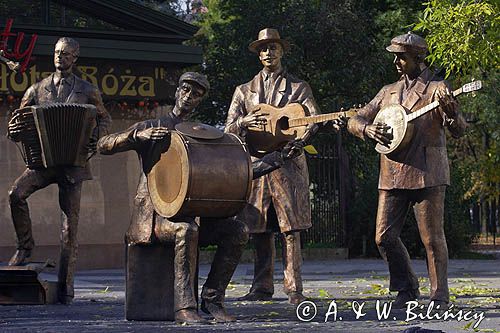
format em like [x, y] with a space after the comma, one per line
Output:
[99, 302]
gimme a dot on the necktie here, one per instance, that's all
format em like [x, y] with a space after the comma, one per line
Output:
[60, 90]
[267, 87]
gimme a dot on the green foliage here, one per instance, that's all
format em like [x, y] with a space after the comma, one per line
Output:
[478, 152]
[462, 35]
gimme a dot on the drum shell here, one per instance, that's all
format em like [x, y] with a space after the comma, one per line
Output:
[197, 177]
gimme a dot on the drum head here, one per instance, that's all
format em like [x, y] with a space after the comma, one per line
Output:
[199, 130]
[169, 178]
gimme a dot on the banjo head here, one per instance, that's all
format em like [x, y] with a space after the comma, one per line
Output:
[393, 115]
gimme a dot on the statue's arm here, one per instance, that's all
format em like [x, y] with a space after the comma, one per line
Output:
[120, 141]
[236, 111]
[29, 97]
[14, 129]
[103, 116]
[357, 124]
[267, 164]
[450, 110]
[306, 98]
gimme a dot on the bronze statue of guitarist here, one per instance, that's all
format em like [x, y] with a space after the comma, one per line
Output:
[418, 174]
[279, 201]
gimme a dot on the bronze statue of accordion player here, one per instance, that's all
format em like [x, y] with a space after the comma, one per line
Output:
[53, 109]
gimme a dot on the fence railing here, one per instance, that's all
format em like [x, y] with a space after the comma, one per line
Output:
[327, 195]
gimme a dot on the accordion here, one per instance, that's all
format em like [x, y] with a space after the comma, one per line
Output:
[55, 134]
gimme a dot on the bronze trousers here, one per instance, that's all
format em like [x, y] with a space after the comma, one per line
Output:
[69, 201]
[230, 236]
[428, 207]
[264, 262]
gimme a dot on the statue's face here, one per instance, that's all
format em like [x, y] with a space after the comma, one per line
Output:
[188, 96]
[64, 57]
[270, 55]
[406, 63]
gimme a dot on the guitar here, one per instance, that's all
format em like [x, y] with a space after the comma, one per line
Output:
[284, 125]
[399, 119]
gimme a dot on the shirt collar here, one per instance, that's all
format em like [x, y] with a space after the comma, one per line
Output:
[266, 74]
[67, 79]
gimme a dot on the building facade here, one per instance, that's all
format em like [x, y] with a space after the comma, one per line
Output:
[134, 55]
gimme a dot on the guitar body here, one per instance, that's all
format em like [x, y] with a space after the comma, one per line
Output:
[401, 130]
[276, 133]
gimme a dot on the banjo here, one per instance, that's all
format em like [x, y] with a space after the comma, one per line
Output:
[399, 119]
[284, 125]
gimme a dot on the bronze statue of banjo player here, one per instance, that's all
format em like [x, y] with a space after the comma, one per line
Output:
[416, 174]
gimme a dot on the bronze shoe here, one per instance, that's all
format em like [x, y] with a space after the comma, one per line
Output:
[405, 296]
[440, 306]
[296, 298]
[65, 299]
[188, 316]
[19, 257]
[218, 311]
[256, 296]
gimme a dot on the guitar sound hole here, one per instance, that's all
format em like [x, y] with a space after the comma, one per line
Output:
[283, 123]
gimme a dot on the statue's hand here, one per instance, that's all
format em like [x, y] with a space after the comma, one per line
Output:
[92, 145]
[16, 129]
[293, 149]
[253, 119]
[152, 134]
[379, 133]
[447, 102]
[337, 124]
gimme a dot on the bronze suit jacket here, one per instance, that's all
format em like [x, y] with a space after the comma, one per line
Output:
[141, 230]
[424, 161]
[287, 188]
[81, 92]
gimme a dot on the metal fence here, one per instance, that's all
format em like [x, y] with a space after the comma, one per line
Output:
[327, 195]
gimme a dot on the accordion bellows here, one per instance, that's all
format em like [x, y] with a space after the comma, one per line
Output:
[56, 134]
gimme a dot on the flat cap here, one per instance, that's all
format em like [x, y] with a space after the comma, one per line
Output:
[196, 78]
[407, 42]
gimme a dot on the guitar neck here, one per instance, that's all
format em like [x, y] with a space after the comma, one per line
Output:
[429, 107]
[319, 118]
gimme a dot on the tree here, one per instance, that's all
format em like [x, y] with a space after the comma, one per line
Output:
[463, 39]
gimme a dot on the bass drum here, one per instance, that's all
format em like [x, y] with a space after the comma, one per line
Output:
[201, 177]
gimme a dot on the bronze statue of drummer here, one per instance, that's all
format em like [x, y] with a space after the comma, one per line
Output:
[147, 226]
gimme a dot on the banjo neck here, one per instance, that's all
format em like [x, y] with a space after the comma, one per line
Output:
[320, 118]
[469, 87]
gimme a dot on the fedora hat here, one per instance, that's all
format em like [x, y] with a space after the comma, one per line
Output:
[268, 35]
